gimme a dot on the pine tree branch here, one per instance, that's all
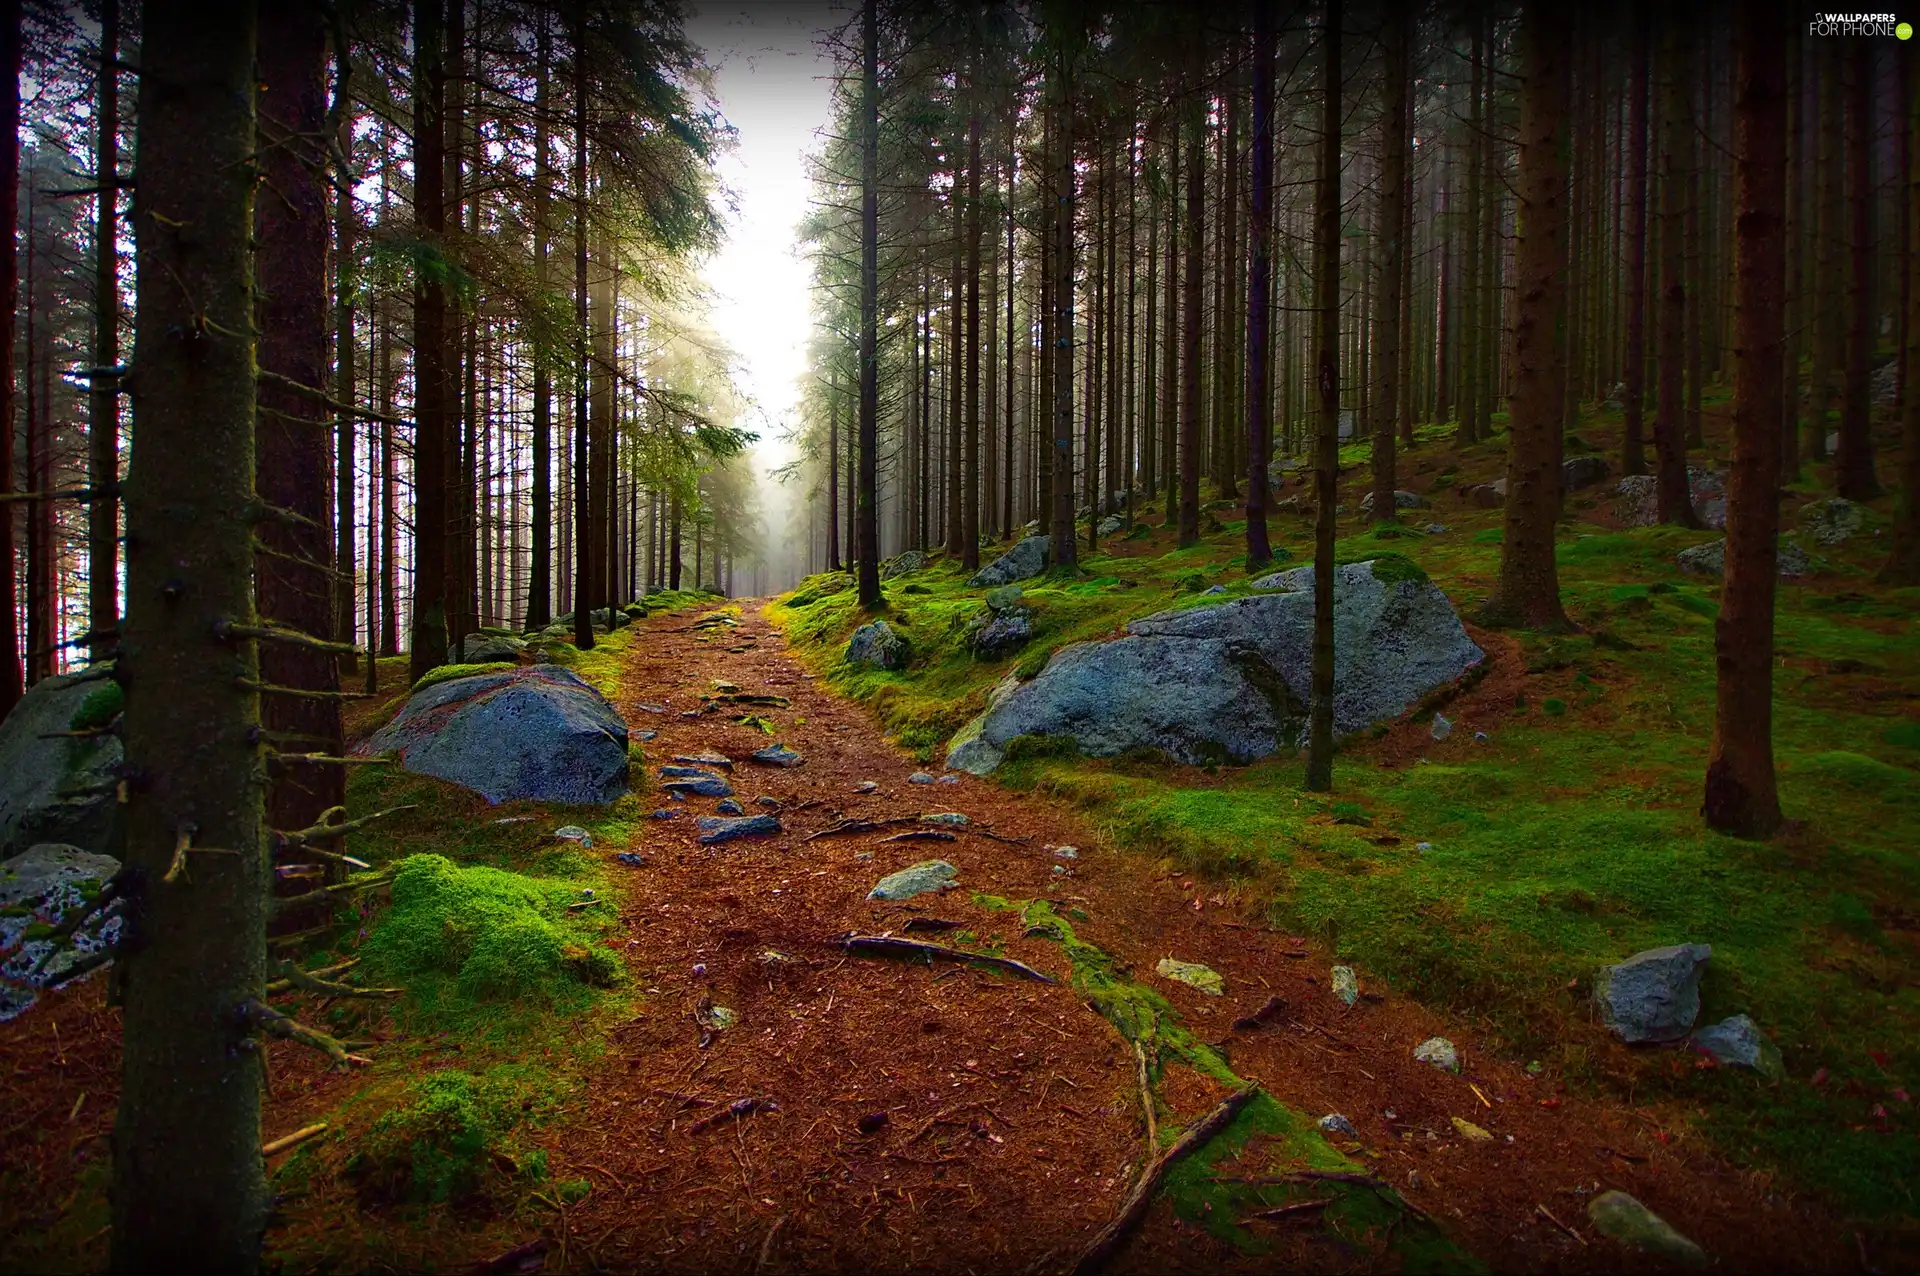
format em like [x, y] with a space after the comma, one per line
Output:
[259, 1014]
[326, 832]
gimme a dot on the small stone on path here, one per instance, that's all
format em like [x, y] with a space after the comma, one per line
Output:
[1624, 1219]
[574, 833]
[1066, 853]
[926, 877]
[699, 786]
[1738, 1041]
[631, 859]
[1192, 974]
[647, 707]
[729, 807]
[771, 803]
[665, 813]
[776, 755]
[1472, 1132]
[716, 828]
[705, 760]
[946, 819]
[1334, 1123]
[920, 777]
[948, 779]
[867, 786]
[1439, 1052]
[1346, 985]
[644, 734]
[1442, 728]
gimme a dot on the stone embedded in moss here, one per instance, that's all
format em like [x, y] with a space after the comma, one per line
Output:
[1193, 975]
[1623, 1218]
[447, 673]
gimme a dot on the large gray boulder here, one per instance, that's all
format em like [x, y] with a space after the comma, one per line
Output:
[879, 646]
[1834, 520]
[1652, 995]
[900, 564]
[41, 887]
[1577, 472]
[536, 732]
[1639, 501]
[1229, 682]
[54, 787]
[1027, 559]
[1402, 500]
[995, 635]
[1791, 562]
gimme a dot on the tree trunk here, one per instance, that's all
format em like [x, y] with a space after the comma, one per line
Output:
[1171, 337]
[103, 403]
[295, 589]
[427, 641]
[1394, 143]
[583, 529]
[867, 523]
[1795, 306]
[1632, 455]
[11, 682]
[1260, 290]
[1854, 478]
[1065, 550]
[345, 387]
[1741, 797]
[540, 566]
[189, 1190]
[1829, 352]
[1473, 334]
[1674, 502]
[1190, 327]
[1903, 563]
[1326, 287]
[1528, 593]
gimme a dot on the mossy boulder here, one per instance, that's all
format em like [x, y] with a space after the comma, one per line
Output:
[878, 646]
[55, 789]
[1027, 559]
[535, 731]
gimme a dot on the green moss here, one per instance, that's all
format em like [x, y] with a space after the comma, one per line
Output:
[454, 1135]
[99, 707]
[447, 673]
[1392, 569]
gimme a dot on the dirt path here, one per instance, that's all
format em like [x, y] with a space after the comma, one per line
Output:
[1013, 1123]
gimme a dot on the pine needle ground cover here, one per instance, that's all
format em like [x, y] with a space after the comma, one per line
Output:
[1493, 877]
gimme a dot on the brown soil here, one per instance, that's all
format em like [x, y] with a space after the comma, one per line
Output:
[1012, 1127]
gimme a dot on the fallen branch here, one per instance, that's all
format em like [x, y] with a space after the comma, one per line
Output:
[733, 1112]
[288, 1029]
[306, 981]
[919, 835]
[1196, 1136]
[281, 985]
[887, 945]
[861, 826]
[294, 1140]
[1547, 1214]
[992, 836]
[1298, 1207]
[1146, 1097]
[326, 832]
[1381, 1186]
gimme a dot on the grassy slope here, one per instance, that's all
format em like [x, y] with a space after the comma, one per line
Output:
[1569, 839]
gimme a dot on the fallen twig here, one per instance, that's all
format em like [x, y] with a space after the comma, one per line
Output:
[919, 835]
[859, 826]
[326, 832]
[1547, 1214]
[766, 1246]
[992, 836]
[288, 1029]
[1298, 1207]
[1146, 1097]
[733, 1112]
[885, 945]
[281, 985]
[291, 977]
[294, 1140]
[1381, 1186]
[1195, 1137]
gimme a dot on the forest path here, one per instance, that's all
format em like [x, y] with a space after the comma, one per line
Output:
[1014, 1125]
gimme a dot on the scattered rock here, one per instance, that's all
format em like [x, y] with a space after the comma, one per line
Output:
[771, 803]
[1710, 559]
[664, 813]
[1334, 1123]
[1652, 995]
[714, 1018]
[1004, 598]
[573, 833]
[945, 819]
[538, 732]
[645, 734]
[631, 859]
[1739, 1041]
[1423, 847]
[1442, 727]
[479, 649]
[1001, 634]
[1214, 589]
[1439, 1052]
[866, 786]
[900, 564]
[1434, 529]
[1066, 853]
[40, 887]
[1577, 472]
[720, 828]
[1624, 1219]
[1229, 682]
[1481, 737]
[1027, 559]
[879, 646]
[61, 790]
[1111, 525]
[1401, 501]
[705, 760]
[920, 777]
[1346, 985]
[926, 877]
[1059, 870]
[1486, 496]
[1832, 521]
[693, 782]
[776, 755]
[1639, 503]
[729, 807]
[1472, 1132]
[645, 707]
[948, 778]
[1192, 974]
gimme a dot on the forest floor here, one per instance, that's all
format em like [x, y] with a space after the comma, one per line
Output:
[573, 1122]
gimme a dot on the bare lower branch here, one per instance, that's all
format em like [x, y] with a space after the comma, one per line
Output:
[887, 945]
[292, 978]
[288, 1029]
[224, 629]
[327, 830]
[321, 397]
[303, 693]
